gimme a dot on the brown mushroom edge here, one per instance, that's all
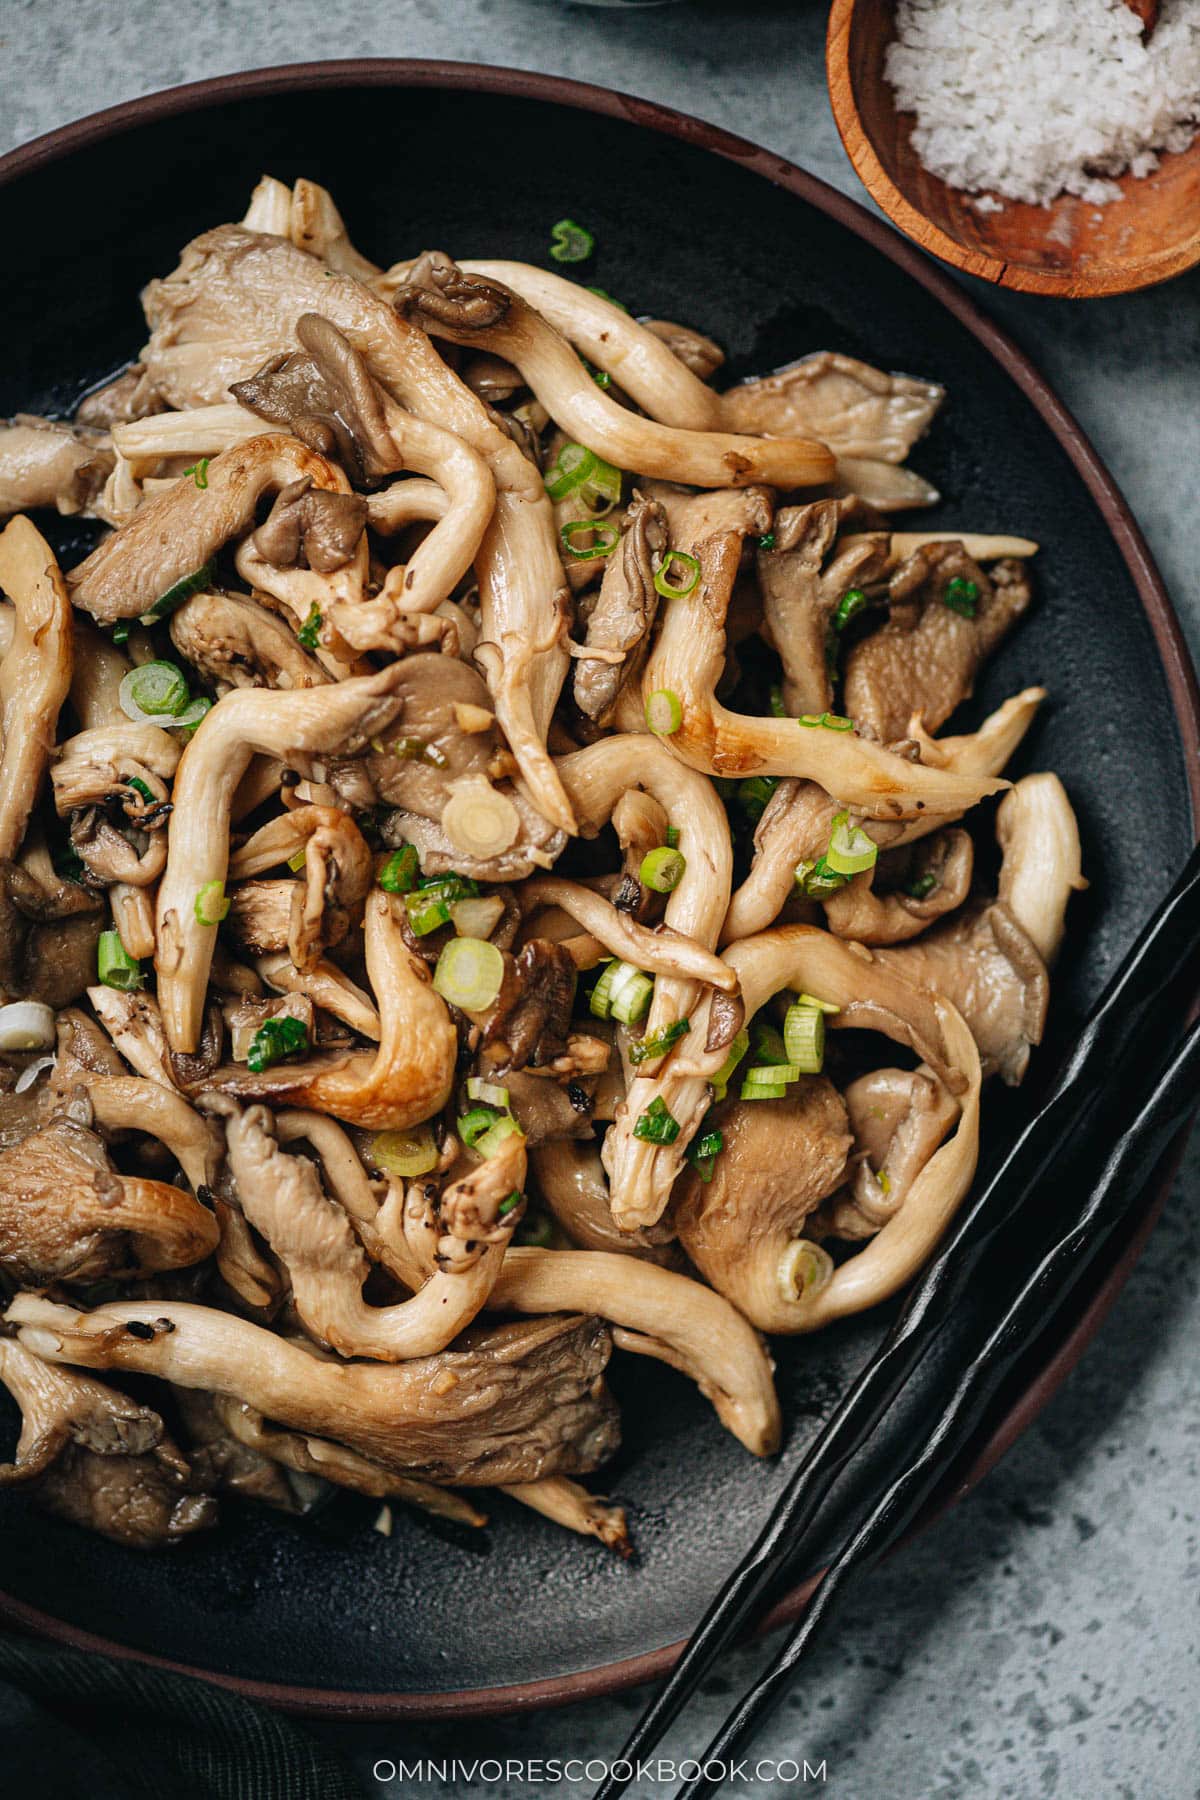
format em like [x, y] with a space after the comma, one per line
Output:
[1060, 1353]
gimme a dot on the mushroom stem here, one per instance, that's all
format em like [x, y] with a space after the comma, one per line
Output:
[35, 675]
[568, 1504]
[1043, 863]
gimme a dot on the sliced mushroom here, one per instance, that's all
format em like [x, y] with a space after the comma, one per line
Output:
[67, 1215]
[488, 316]
[97, 1458]
[242, 722]
[35, 675]
[326, 986]
[925, 658]
[688, 660]
[510, 1403]
[234, 642]
[744, 1228]
[45, 463]
[283, 1199]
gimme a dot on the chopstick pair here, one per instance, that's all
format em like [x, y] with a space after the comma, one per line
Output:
[1095, 1075]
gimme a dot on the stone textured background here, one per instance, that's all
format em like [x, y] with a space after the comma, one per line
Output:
[1041, 1640]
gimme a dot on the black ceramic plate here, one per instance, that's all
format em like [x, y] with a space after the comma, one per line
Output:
[689, 224]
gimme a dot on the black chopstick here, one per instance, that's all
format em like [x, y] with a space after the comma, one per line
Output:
[1122, 1177]
[1091, 1073]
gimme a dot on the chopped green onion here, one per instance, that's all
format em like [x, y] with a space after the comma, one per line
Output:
[580, 471]
[672, 837]
[449, 887]
[764, 1090]
[604, 545]
[804, 1035]
[199, 472]
[656, 1125]
[309, 633]
[672, 590]
[884, 1180]
[276, 1038]
[599, 1000]
[816, 879]
[848, 607]
[183, 589]
[829, 721]
[509, 1204]
[603, 294]
[120, 631]
[775, 699]
[489, 1093]
[922, 887]
[425, 914]
[664, 713]
[662, 870]
[155, 690]
[114, 965]
[851, 849]
[570, 243]
[399, 871]
[754, 793]
[406, 1153]
[771, 1074]
[622, 992]
[768, 1043]
[296, 863]
[191, 716]
[725, 1073]
[825, 1006]
[647, 1048]
[504, 1127]
[961, 596]
[211, 904]
[767, 541]
[469, 973]
[140, 787]
[474, 1123]
[704, 1150]
[601, 377]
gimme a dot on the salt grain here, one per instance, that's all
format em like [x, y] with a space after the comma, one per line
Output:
[1034, 98]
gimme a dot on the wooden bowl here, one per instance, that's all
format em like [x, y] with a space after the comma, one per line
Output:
[1070, 248]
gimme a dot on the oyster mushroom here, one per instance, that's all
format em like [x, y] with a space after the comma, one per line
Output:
[803, 577]
[938, 881]
[45, 463]
[1042, 867]
[510, 1403]
[234, 642]
[67, 1215]
[242, 722]
[898, 1118]
[113, 782]
[622, 615]
[568, 1504]
[97, 1458]
[35, 675]
[487, 316]
[338, 871]
[570, 1177]
[687, 661]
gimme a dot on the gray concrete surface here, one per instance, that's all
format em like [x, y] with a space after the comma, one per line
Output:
[1040, 1641]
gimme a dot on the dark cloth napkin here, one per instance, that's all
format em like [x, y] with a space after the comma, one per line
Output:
[79, 1727]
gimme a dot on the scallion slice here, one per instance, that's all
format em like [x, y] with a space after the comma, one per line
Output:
[309, 633]
[426, 912]
[477, 918]
[772, 1074]
[647, 1048]
[398, 872]
[851, 849]
[199, 472]
[503, 1127]
[763, 1090]
[140, 787]
[775, 701]
[114, 965]
[193, 713]
[825, 1006]
[804, 1035]
[662, 869]
[922, 886]
[629, 995]
[488, 1093]
[672, 837]
[211, 904]
[848, 607]
[685, 584]
[704, 1150]
[580, 471]
[826, 721]
[606, 535]
[469, 973]
[156, 690]
[816, 879]
[571, 243]
[656, 1125]
[754, 793]
[664, 713]
[725, 1073]
[406, 1153]
[474, 1123]
[962, 596]
[175, 596]
[276, 1038]
[767, 541]
[509, 1204]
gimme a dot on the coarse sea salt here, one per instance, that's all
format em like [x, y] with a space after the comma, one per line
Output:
[1029, 99]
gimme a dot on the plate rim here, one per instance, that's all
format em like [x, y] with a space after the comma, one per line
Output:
[400, 73]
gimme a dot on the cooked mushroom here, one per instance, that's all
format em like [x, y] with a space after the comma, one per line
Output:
[570, 1505]
[488, 316]
[510, 1403]
[67, 1215]
[946, 617]
[570, 1178]
[113, 784]
[35, 675]
[234, 642]
[937, 880]
[660, 949]
[283, 1199]
[802, 585]
[48, 937]
[622, 615]
[46, 463]
[1042, 865]
[687, 661]
[898, 1118]
[97, 1458]
[744, 1228]
[242, 722]
[338, 871]
[857, 410]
